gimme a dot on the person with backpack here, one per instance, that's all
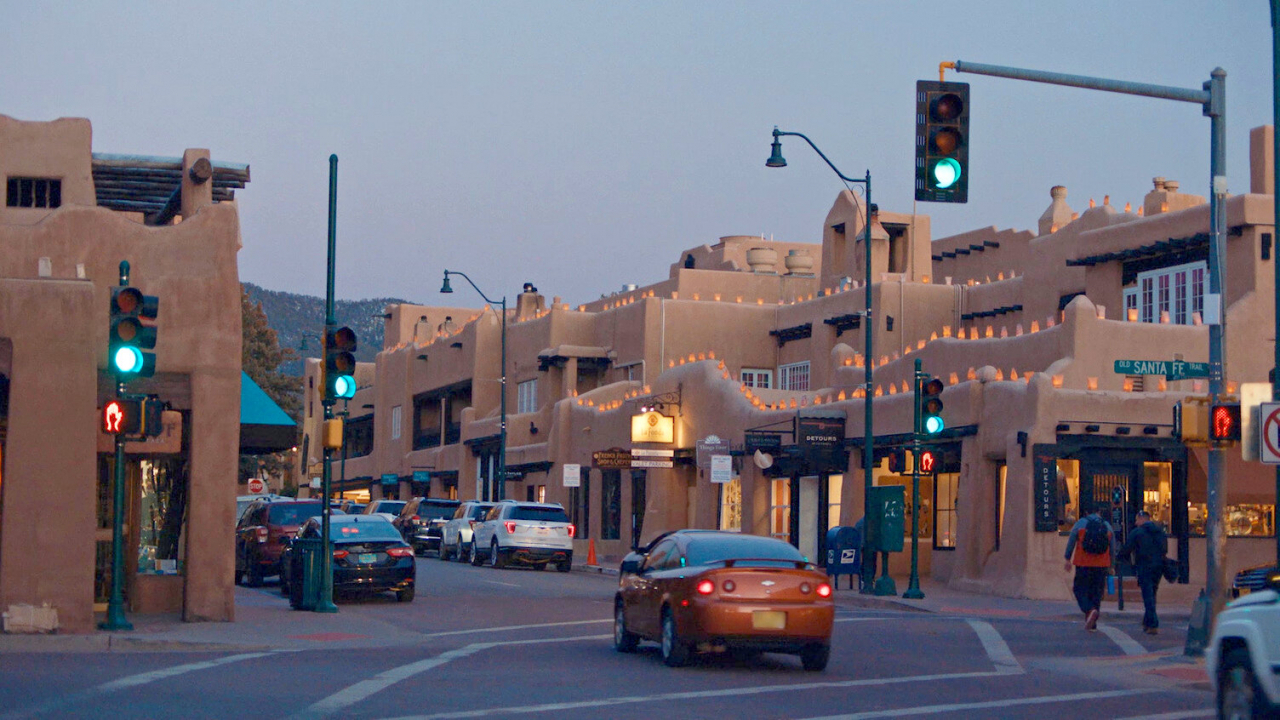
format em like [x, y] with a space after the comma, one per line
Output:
[1146, 548]
[1089, 549]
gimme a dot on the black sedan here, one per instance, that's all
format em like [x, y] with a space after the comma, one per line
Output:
[368, 555]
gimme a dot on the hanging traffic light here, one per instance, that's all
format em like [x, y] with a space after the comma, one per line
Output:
[130, 334]
[1224, 422]
[122, 417]
[339, 363]
[942, 141]
[929, 399]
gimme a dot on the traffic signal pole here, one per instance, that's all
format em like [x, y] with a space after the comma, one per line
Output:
[1275, 181]
[1212, 97]
[116, 619]
[913, 584]
[325, 602]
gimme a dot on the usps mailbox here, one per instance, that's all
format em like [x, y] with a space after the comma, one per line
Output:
[844, 551]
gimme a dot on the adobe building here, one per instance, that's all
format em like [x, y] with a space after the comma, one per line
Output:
[751, 344]
[69, 218]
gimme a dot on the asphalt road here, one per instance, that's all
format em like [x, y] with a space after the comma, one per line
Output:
[484, 643]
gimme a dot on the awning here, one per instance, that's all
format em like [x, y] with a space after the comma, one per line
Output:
[264, 427]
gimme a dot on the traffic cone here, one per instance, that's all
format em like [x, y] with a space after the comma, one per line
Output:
[591, 551]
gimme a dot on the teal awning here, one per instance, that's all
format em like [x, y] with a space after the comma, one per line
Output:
[264, 427]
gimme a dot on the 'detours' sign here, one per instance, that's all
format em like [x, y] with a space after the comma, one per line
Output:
[821, 433]
[1045, 487]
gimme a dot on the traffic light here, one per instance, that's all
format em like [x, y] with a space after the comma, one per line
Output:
[1191, 421]
[1224, 422]
[339, 363]
[942, 141]
[900, 462]
[122, 417]
[929, 401]
[130, 334]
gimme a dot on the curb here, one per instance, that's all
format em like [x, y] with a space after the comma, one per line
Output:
[110, 642]
[596, 570]
[878, 602]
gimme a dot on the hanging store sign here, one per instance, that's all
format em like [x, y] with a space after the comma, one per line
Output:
[769, 442]
[708, 446]
[572, 475]
[390, 479]
[821, 433]
[611, 459]
[1045, 488]
[653, 427]
[652, 463]
[421, 476]
[652, 453]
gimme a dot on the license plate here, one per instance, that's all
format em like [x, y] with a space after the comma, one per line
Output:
[367, 558]
[769, 620]
[544, 531]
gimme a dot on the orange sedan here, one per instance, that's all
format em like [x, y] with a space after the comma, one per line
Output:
[699, 590]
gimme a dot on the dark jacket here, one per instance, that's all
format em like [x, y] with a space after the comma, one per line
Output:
[1147, 546]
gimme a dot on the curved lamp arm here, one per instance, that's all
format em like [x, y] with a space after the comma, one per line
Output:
[447, 289]
[780, 133]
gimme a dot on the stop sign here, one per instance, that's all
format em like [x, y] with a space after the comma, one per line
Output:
[257, 486]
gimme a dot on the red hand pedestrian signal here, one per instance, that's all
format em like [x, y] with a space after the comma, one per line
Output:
[1224, 422]
[926, 461]
[122, 417]
[112, 416]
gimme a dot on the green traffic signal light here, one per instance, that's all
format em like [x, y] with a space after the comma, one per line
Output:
[942, 141]
[339, 363]
[129, 335]
[127, 359]
[344, 386]
[934, 425]
[946, 172]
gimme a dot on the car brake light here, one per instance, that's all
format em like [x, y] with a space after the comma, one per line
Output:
[572, 530]
[729, 586]
[399, 552]
[262, 534]
[706, 587]
[511, 527]
[339, 554]
[805, 588]
[473, 523]
[824, 590]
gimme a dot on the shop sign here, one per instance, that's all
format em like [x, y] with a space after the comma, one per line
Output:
[390, 478]
[421, 476]
[1045, 486]
[770, 442]
[721, 468]
[611, 459]
[572, 475]
[651, 463]
[708, 446]
[653, 427]
[652, 453]
[821, 433]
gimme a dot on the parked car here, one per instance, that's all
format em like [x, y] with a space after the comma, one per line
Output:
[455, 539]
[694, 589]
[388, 509]
[422, 520]
[262, 532]
[351, 507]
[1253, 578]
[1243, 652]
[528, 533]
[243, 502]
[368, 555]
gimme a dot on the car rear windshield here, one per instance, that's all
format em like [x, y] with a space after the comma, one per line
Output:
[479, 511]
[391, 506]
[429, 509]
[543, 514]
[363, 531]
[704, 551]
[292, 513]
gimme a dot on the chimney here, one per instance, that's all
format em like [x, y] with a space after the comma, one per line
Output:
[1058, 215]
[529, 303]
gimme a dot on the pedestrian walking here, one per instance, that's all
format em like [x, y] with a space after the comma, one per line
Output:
[1146, 548]
[1089, 551]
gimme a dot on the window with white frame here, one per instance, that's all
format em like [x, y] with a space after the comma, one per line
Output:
[527, 396]
[757, 378]
[395, 422]
[631, 373]
[794, 376]
[780, 508]
[1177, 290]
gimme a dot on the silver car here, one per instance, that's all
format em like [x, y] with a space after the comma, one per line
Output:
[456, 539]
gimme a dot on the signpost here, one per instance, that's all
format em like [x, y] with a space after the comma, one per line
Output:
[1173, 370]
[572, 475]
[1269, 442]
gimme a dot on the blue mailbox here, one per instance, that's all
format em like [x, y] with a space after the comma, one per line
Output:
[844, 551]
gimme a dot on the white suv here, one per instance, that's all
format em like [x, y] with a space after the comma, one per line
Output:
[1243, 651]
[523, 532]
[455, 540]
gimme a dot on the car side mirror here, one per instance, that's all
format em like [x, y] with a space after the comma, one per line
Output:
[631, 564]
[1273, 580]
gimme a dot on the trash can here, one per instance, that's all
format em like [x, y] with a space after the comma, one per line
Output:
[304, 558]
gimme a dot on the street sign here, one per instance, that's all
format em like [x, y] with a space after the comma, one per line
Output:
[1252, 395]
[653, 453]
[1172, 369]
[721, 468]
[1269, 443]
[257, 486]
[572, 475]
[664, 464]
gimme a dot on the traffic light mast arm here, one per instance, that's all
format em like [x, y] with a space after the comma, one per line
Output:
[1166, 92]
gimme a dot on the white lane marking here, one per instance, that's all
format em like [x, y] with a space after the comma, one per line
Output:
[132, 681]
[861, 619]
[997, 649]
[353, 694]
[497, 582]
[699, 694]
[990, 704]
[1121, 638]
[1175, 715]
[507, 628]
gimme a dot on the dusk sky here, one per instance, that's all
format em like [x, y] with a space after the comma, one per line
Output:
[583, 145]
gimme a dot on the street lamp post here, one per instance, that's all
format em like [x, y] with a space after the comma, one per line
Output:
[868, 451]
[500, 487]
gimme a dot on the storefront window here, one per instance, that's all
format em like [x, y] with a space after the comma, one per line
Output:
[731, 505]
[1068, 494]
[780, 509]
[162, 515]
[835, 486]
[947, 490]
[1249, 510]
[610, 504]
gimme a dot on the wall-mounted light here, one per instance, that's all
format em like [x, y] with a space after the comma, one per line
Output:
[1062, 427]
[1122, 430]
[533, 429]
[1092, 428]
